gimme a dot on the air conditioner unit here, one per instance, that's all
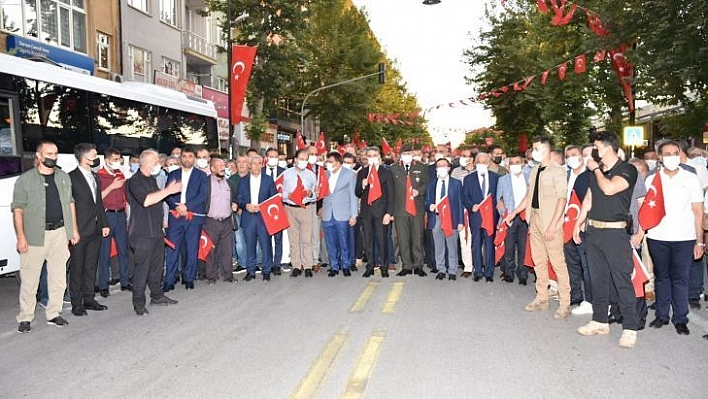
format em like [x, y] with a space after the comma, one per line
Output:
[116, 77]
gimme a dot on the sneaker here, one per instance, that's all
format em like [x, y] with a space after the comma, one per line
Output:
[594, 328]
[24, 327]
[562, 313]
[585, 307]
[58, 321]
[286, 267]
[140, 310]
[163, 300]
[629, 339]
[67, 299]
[536, 306]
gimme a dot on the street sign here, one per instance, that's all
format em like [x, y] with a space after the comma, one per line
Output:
[634, 135]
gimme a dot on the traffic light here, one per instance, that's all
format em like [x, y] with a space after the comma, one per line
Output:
[382, 73]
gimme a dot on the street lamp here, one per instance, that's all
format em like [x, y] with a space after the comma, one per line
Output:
[239, 19]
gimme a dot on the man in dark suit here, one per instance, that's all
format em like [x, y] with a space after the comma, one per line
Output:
[273, 171]
[477, 185]
[375, 212]
[92, 226]
[252, 191]
[186, 227]
[410, 228]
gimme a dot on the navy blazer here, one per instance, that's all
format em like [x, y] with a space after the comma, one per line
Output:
[266, 191]
[581, 183]
[196, 190]
[472, 195]
[278, 171]
[454, 193]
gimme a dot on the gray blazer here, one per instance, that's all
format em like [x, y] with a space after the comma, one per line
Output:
[342, 202]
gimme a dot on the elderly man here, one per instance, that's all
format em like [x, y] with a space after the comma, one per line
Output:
[219, 223]
[296, 180]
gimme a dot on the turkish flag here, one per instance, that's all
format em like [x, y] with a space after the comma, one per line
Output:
[241, 63]
[205, 246]
[544, 76]
[362, 144]
[273, 214]
[114, 248]
[300, 141]
[298, 195]
[170, 243]
[321, 144]
[397, 146]
[562, 69]
[600, 55]
[580, 64]
[486, 211]
[653, 209]
[341, 149]
[280, 182]
[640, 275]
[571, 215]
[502, 231]
[374, 185]
[410, 202]
[322, 185]
[445, 216]
[522, 215]
[528, 259]
[385, 147]
[499, 251]
[542, 6]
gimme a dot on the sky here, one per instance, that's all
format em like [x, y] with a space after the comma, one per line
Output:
[426, 44]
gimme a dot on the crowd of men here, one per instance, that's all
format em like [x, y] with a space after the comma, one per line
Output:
[570, 218]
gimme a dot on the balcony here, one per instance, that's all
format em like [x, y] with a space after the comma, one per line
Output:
[199, 51]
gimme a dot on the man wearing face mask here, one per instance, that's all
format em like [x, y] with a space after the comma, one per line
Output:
[511, 190]
[202, 161]
[409, 226]
[495, 154]
[134, 163]
[606, 209]
[92, 224]
[44, 217]
[300, 217]
[273, 170]
[112, 186]
[651, 159]
[376, 208]
[544, 206]
[145, 230]
[312, 164]
[339, 212]
[459, 173]
[697, 159]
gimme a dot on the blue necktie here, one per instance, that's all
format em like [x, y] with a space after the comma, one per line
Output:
[484, 185]
[442, 190]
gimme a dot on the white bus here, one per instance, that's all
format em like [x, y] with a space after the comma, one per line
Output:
[40, 101]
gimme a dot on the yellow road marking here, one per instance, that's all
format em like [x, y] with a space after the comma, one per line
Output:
[310, 384]
[365, 366]
[392, 299]
[364, 297]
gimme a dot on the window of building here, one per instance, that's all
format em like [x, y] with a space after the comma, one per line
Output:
[141, 64]
[103, 50]
[141, 5]
[221, 84]
[171, 67]
[57, 22]
[168, 12]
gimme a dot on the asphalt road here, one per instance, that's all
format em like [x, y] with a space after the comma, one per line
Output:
[325, 337]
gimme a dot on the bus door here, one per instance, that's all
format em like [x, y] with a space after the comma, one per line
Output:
[10, 169]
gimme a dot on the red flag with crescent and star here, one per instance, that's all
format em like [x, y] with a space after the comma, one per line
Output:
[385, 147]
[486, 211]
[205, 246]
[273, 214]
[298, 195]
[562, 69]
[571, 215]
[410, 199]
[322, 184]
[653, 208]
[300, 141]
[445, 216]
[528, 259]
[280, 182]
[579, 64]
[321, 144]
[499, 240]
[170, 243]
[640, 275]
[374, 185]
[241, 63]
[114, 248]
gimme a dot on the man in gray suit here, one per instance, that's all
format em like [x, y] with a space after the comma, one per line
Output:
[339, 211]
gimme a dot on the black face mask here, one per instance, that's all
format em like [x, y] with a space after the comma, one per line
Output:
[595, 154]
[49, 162]
[95, 163]
[497, 160]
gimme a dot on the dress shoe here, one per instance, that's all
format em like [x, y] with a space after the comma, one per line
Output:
[452, 277]
[78, 311]
[658, 323]
[695, 304]
[114, 281]
[276, 271]
[346, 273]
[419, 272]
[229, 280]
[163, 301]
[508, 279]
[434, 270]
[249, 277]
[96, 289]
[105, 293]
[404, 272]
[296, 272]
[168, 287]
[140, 310]
[682, 329]
[333, 273]
[353, 268]
[490, 279]
[94, 306]
[614, 319]
[266, 277]
[308, 273]
[523, 281]
[368, 273]
[477, 278]
[189, 285]
[466, 274]
[440, 276]
[127, 287]
[212, 281]
[384, 272]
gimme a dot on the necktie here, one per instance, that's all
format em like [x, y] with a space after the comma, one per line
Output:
[92, 183]
[272, 172]
[442, 190]
[407, 168]
[484, 184]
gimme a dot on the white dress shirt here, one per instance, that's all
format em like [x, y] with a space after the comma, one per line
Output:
[255, 188]
[680, 192]
[333, 177]
[90, 180]
[185, 182]
[518, 187]
[571, 184]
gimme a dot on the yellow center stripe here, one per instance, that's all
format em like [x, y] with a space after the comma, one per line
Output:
[321, 367]
[364, 297]
[392, 299]
[365, 366]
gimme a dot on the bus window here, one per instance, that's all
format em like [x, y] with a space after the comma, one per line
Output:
[10, 162]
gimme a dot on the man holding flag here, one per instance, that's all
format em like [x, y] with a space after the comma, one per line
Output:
[274, 171]
[511, 190]
[444, 202]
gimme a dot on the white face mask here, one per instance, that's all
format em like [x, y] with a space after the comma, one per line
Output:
[671, 162]
[698, 162]
[312, 159]
[227, 173]
[482, 169]
[573, 162]
[407, 159]
[272, 162]
[172, 168]
[301, 164]
[538, 155]
[319, 163]
[202, 163]
[283, 164]
[417, 158]
[442, 172]
[373, 161]
[515, 169]
[464, 161]
[115, 166]
[134, 167]
[348, 166]
[651, 164]
[156, 170]
[330, 166]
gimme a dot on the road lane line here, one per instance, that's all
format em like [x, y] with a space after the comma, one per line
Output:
[356, 386]
[393, 296]
[364, 297]
[320, 368]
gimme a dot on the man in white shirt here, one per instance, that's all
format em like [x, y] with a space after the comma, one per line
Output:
[511, 191]
[339, 212]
